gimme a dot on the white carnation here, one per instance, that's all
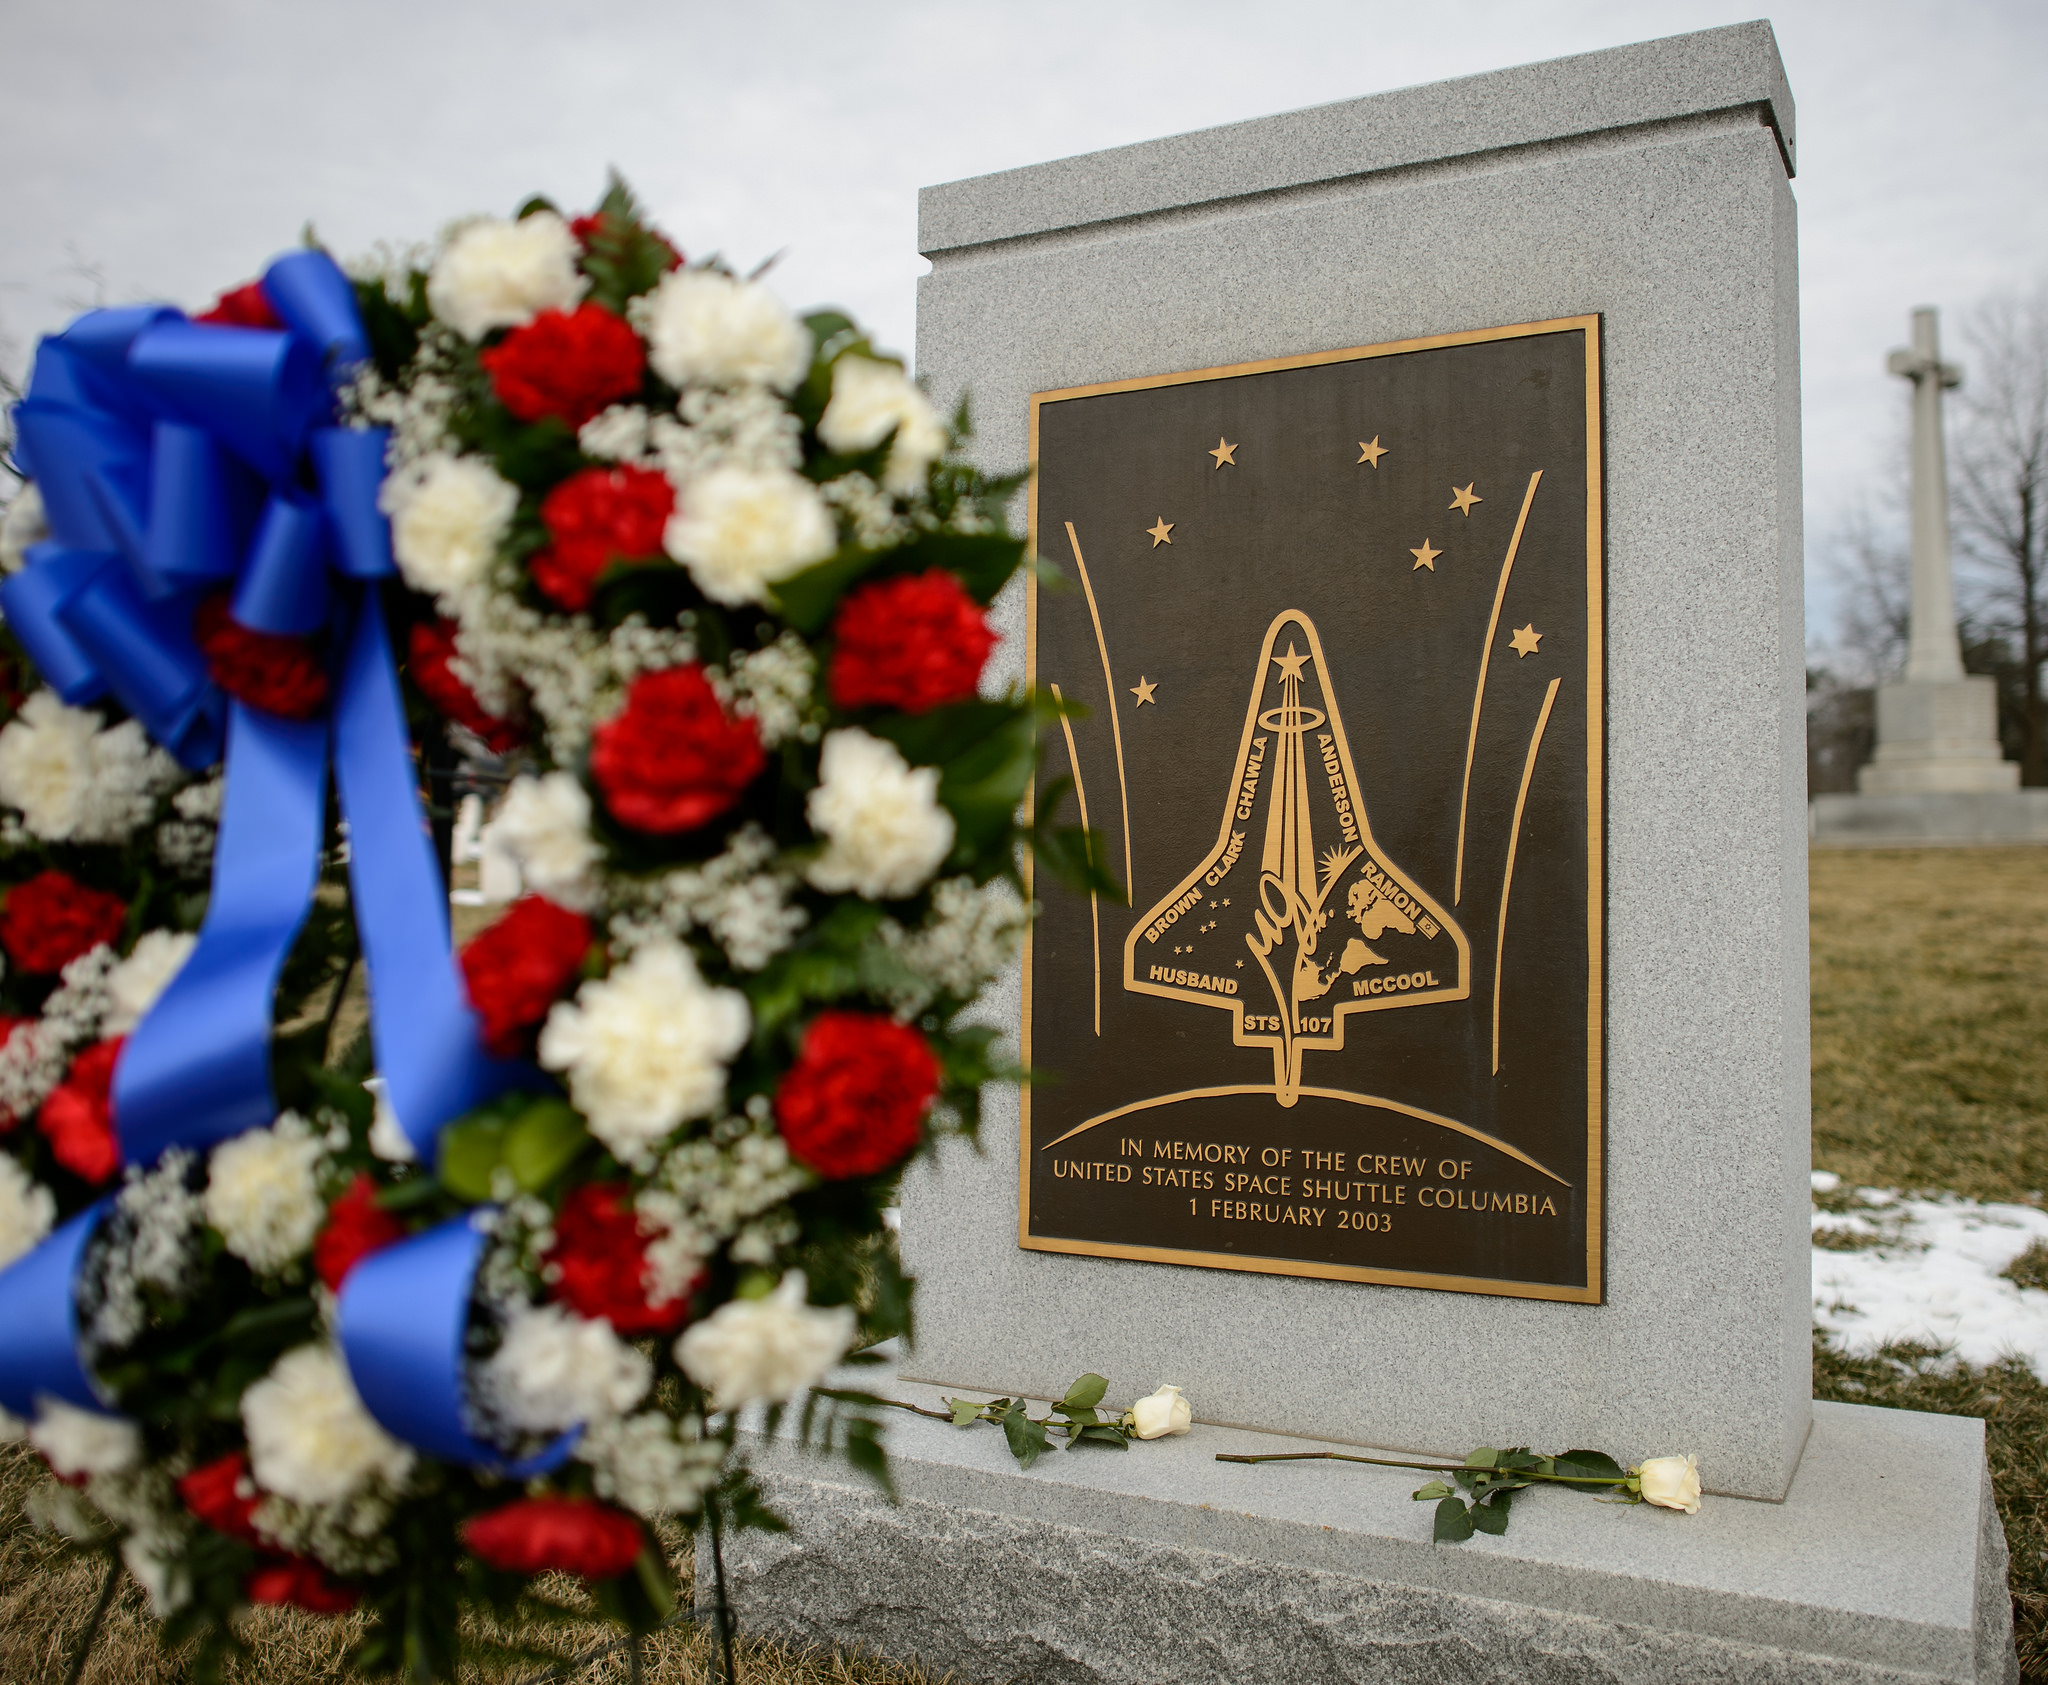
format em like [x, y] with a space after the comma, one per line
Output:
[134, 985]
[540, 836]
[702, 326]
[498, 274]
[22, 523]
[645, 1048]
[871, 399]
[740, 531]
[310, 1439]
[752, 1351]
[885, 832]
[263, 1193]
[27, 1211]
[556, 1369]
[76, 1441]
[448, 515]
[74, 781]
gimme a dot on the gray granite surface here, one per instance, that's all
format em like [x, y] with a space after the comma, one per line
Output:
[1735, 68]
[1885, 1562]
[1679, 228]
[1997, 817]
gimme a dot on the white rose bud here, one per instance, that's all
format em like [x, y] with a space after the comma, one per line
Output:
[1164, 1412]
[1672, 1483]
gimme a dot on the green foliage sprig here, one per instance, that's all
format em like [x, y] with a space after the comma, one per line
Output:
[1077, 1416]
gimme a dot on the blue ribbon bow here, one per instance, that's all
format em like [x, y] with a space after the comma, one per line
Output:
[176, 458]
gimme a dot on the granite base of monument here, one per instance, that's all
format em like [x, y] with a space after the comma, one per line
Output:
[1885, 1563]
[1930, 819]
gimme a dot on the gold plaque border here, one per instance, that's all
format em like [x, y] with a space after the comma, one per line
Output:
[1594, 1292]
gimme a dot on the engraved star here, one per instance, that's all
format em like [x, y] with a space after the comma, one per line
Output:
[1425, 557]
[1224, 452]
[1160, 531]
[1240, 965]
[1525, 640]
[1226, 901]
[1143, 692]
[1462, 498]
[1290, 663]
[1371, 452]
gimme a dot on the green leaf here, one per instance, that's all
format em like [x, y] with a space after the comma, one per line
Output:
[1430, 1493]
[1492, 1516]
[1595, 1465]
[547, 1138]
[470, 1151]
[1453, 1522]
[807, 599]
[965, 1411]
[1085, 1393]
[1483, 1458]
[1027, 1438]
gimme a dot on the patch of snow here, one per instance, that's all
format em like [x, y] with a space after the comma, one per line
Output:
[1930, 1272]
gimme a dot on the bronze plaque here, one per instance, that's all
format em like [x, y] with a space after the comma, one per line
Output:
[1336, 622]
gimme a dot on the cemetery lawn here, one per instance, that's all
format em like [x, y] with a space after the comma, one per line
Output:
[1930, 996]
[1930, 1075]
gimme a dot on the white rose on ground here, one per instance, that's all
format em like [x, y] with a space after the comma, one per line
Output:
[885, 832]
[73, 781]
[555, 1369]
[134, 985]
[871, 398]
[27, 1210]
[448, 516]
[84, 1442]
[310, 1439]
[740, 532]
[754, 1351]
[499, 274]
[1161, 1413]
[1672, 1483]
[23, 523]
[702, 326]
[263, 1193]
[645, 1048]
[539, 840]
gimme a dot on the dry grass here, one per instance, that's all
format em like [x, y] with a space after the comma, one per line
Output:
[1930, 973]
[47, 1598]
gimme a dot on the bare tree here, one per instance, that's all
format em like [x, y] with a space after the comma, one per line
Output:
[1867, 563]
[1998, 478]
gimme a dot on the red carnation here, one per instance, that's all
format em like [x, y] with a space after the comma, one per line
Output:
[674, 759]
[595, 518]
[854, 1102]
[568, 363]
[268, 670]
[432, 648]
[356, 1227]
[302, 1583]
[243, 307]
[52, 919]
[599, 1262]
[78, 1117]
[911, 643]
[540, 1535]
[521, 966]
[222, 1495]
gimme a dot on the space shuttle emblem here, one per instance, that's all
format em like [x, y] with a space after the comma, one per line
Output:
[1296, 919]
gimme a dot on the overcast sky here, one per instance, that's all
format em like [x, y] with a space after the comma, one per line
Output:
[167, 148]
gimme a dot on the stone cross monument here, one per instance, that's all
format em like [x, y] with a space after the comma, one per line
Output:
[1937, 730]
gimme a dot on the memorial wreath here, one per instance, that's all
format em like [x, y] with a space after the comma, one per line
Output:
[401, 1320]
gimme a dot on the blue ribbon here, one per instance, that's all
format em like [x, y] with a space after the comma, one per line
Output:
[402, 1318]
[39, 1352]
[174, 458]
